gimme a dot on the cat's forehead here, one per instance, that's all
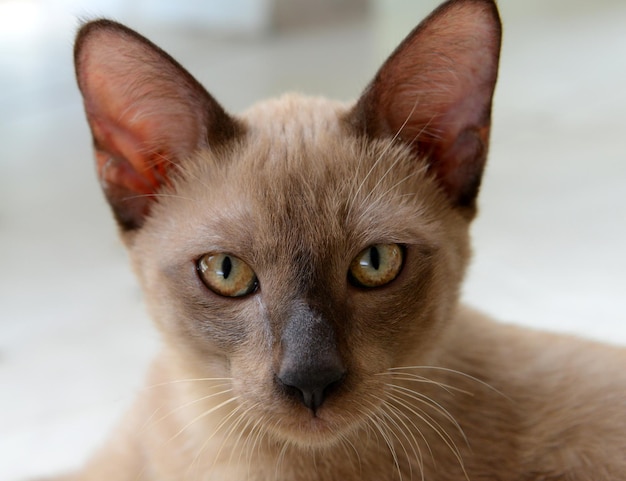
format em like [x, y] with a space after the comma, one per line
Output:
[297, 150]
[298, 177]
[295, 120]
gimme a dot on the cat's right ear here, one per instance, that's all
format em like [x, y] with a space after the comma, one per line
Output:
[146, 114]
[434, 95]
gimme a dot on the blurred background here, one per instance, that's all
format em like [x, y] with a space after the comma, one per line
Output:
[74, 339]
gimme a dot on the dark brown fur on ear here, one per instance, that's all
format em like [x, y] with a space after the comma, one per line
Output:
[146, 113]
[434, 93]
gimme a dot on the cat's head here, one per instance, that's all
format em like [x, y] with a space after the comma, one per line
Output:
[304, 247]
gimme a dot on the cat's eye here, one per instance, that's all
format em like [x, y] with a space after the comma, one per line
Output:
[227, 275]
[377, 265]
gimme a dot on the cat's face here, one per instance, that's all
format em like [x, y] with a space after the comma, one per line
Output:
[305, 248]
[298, 199]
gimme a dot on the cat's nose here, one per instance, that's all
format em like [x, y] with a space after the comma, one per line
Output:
[310, 365]
[311, 384]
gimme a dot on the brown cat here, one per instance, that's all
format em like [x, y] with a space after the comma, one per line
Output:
[303, 263]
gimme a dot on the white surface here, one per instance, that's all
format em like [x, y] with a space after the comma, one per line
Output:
[74, 340]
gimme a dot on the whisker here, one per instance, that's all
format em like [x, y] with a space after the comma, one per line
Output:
[420, 457]
[403, 180]
[385, 174]
[380, 426]
[373, 204]
[177, 381]
[242, 416]
[422, 398]
[345, 439]
[187, 404]
[149, 421]
[418, 416]
[252, 435]
[242, 443]
[279, 460]
[203, 415]
[233, 427]
[423, 416]
[196, 460]
[460, 373]
[380, 158]
[390, 416]
[159, 195]
[389, 443]
[405, 376]
[261, 427]
[182, 169]
[438, 429]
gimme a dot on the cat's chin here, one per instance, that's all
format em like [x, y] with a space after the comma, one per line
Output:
[315, 433]
[323, 430]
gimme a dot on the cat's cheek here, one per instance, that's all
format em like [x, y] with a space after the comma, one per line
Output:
[388, 320]
[211, 326]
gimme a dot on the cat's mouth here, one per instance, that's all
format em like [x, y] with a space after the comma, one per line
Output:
[322, 428]
[337, 417]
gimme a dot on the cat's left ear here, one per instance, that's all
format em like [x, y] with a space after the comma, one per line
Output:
[434, 93]
[146, 115]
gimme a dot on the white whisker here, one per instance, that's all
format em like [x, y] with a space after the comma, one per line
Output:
[373, 191]
[346, 440]
[240, 417]
[279, 459]
[203, 415]
[242, 431]
[178, 381]
[380, 158]
[460, 373]
[390, 416]
[420, 457]
[187, 404]
[380, 426]
[423, 399]
[438, 429]
[196, 460]
[159, 195]
[405, 376]
[261, 427]
[183, 170]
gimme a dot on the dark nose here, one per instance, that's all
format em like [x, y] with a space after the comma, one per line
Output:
[312, 383]
[310, 364]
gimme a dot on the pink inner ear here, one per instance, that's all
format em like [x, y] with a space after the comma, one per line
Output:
[142, 108]
[445, 74]
[435, 91]
[146, 113]
[122, 159]
[137, 132]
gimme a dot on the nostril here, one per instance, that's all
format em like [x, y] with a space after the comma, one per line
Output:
[332, 386]
[311, 386]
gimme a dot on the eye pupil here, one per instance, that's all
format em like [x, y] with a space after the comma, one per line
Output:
[375, 257]
[376, 265]
[227, 266]
[226, 275]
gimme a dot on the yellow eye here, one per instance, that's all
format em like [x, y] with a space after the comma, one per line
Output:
[376, 265]
[227, 275]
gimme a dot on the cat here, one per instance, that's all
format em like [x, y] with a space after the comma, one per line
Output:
[303, 262]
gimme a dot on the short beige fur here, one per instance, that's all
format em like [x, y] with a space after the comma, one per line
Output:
[296, 187]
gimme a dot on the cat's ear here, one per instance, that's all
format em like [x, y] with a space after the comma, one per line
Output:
[146, 114]
[434, 93]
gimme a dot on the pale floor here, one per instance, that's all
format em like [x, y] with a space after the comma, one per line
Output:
[74, 340]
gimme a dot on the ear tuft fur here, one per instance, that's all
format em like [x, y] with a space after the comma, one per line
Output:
[435, 92]
[146, 114]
